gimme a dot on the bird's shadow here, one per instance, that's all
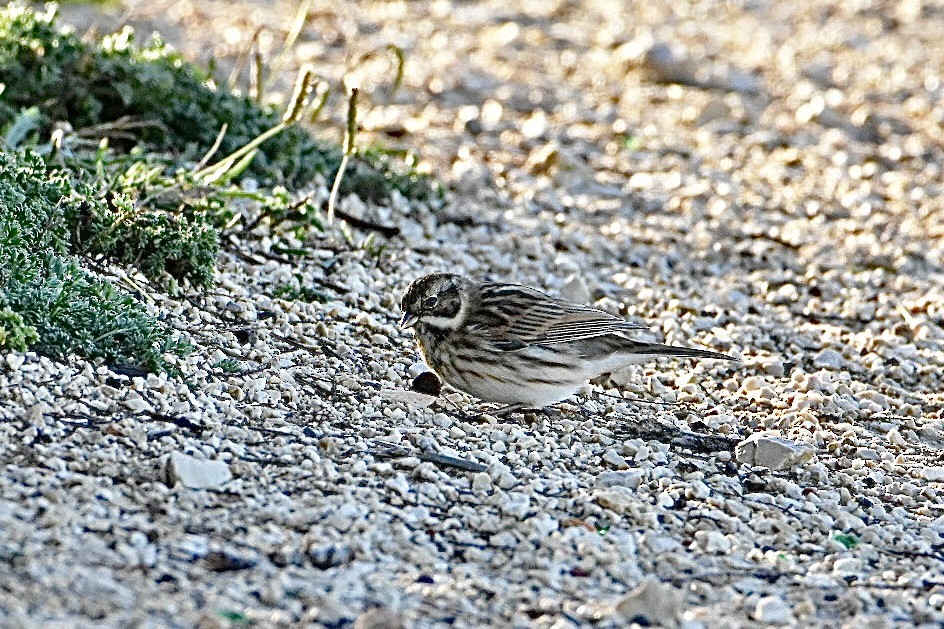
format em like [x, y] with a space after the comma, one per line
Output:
[623, 426]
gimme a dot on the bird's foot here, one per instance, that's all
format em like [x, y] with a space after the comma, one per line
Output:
[505, 411]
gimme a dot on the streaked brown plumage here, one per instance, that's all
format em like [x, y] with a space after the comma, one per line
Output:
[516, 345]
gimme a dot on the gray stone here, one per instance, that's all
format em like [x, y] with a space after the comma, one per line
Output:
[773, 452]
[623, 478]
[379, 618]
[195, 473]
[828, 359]
[773, 610]
[652, 603]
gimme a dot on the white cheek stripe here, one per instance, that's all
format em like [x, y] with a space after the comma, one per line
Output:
[448, 323]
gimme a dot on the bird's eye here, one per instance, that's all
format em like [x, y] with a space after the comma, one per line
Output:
[431, 301]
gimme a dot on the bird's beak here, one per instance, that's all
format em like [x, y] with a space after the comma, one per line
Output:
[409, 320]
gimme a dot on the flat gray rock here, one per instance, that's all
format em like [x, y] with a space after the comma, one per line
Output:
[775, 453]
[195, 473]
[652, 603]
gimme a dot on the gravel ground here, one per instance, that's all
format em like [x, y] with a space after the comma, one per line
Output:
[758, 178]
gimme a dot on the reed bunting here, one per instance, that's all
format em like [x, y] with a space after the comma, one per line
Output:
[517, 346]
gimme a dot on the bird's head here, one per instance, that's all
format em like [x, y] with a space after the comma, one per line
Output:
[438, 300]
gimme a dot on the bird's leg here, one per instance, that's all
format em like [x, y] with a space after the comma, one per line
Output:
[551, 412]
[504, 411]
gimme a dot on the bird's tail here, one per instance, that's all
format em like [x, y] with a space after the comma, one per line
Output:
[657, 349]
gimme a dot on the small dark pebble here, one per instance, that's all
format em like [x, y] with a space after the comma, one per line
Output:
[754, 484]
[287, 556]
[330, 555]
[428, 383]
[244, 335]
[128, 370]
[221, 561]
[474, 127]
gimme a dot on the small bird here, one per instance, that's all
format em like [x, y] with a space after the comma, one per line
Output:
[517, 346]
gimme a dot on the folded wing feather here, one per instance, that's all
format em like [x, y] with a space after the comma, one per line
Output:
[529, 317]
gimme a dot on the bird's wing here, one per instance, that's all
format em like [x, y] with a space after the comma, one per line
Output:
[514, 317]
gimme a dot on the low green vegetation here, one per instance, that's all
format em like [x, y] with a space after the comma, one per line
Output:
[48, 302]
[166, 235]
[115, 153]
[148, 95]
